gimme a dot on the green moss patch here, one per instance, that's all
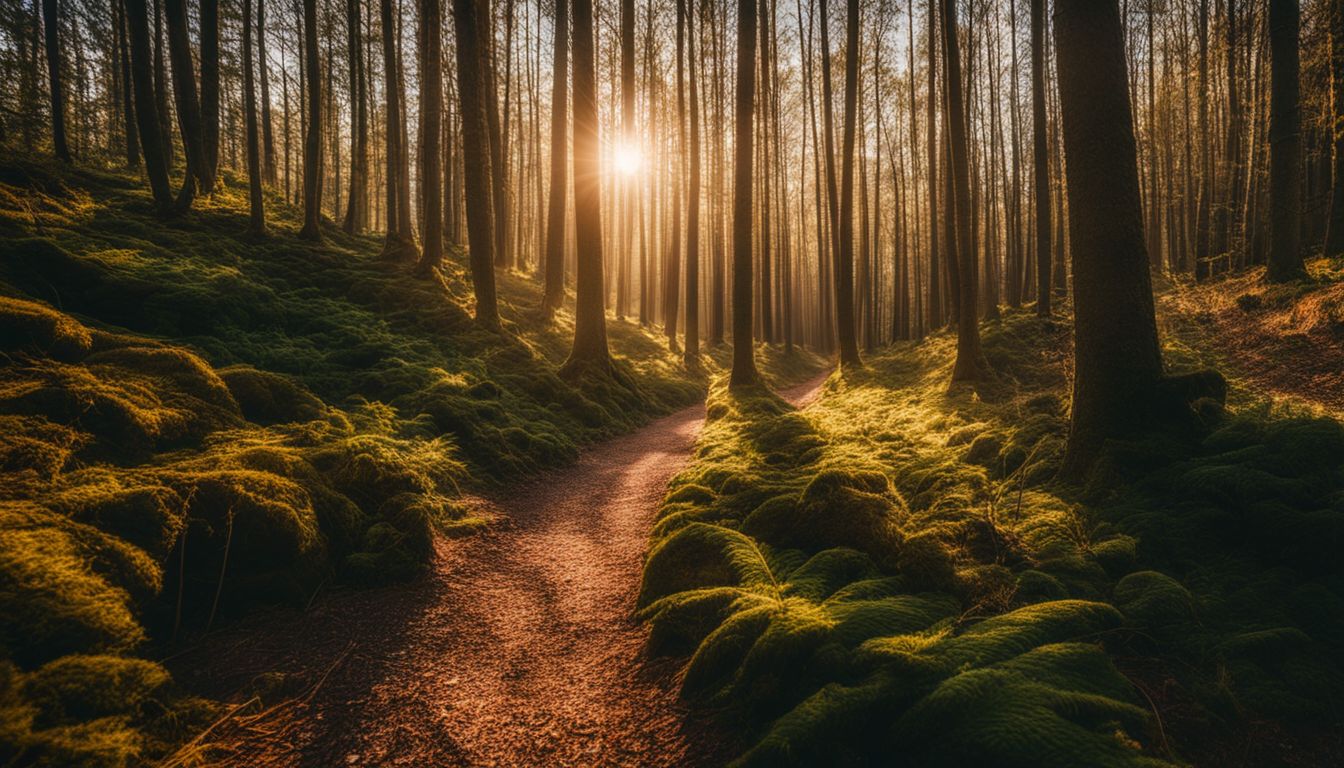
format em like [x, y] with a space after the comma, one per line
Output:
[892, 575]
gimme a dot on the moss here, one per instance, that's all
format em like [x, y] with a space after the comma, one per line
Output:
[924, 592]
[53, 601]
[270, 398]
[79, 688]
[30, 327]
[1154, 602]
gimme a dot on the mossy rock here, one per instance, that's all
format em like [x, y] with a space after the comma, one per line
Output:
[270, 398]
[53, 601]
[1154, 601]
[79, 688]
[32, 328]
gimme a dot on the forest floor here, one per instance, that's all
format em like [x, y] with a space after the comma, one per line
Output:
[520, 647]
[1285, 341]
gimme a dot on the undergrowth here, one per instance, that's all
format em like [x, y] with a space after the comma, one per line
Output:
[892, 576]
[193, 422]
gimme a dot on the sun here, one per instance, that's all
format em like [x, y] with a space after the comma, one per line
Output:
[628, 159]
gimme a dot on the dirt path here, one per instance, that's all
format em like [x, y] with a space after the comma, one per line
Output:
[519, 648]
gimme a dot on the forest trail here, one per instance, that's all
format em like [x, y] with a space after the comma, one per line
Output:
[519, 647]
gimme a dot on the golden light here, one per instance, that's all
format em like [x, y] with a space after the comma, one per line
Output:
[628, 159]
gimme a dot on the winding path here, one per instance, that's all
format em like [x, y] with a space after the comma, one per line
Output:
[519, 648]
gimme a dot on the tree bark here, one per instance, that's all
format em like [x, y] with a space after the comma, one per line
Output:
[269, 166]
[146, 106]
[356, 212]
[127, 92]
[844, 255]
[590, 323]
[209, 94]
[1285, 144]
[744, 363]
[312, 146]
[471, 59]
[970, 362]
[557, 201]
[936, 317]
[1334, 231]
[1118, 364]
[693, 202]
[187, 102]
[256, 224]
[431, 151]
[1040, 158]
[52, 29]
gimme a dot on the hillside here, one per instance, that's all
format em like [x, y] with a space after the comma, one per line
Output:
[192, 423]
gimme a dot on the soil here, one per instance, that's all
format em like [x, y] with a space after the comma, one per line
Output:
[519, 647]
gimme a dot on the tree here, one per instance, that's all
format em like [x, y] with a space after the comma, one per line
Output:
[187, 102]
[693, 203]
[935, 290]
[744, 361]
[590, 323]
[400, 240]
[1285, 144]
[970, 363]
[1334, 231]
[431, 107]
[1118, 387]
[356, 211]
[1040, 158]
[127, 91]
[476, 176]
[312, 145]
[209, 94]
[257, 219]
[557, 200]
[844, 254]
[51, 23]
[269, 170]
[146, 105]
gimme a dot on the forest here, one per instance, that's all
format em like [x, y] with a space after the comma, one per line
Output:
[671, 383]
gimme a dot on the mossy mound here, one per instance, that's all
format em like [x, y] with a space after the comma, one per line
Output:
[892, 576]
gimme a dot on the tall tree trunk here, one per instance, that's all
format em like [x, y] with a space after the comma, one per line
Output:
[270, 171]
[472, 59]
[52, 27]
[161, 87]
[1285, 144]
[1202, 201]
[312, 145]
[672, 276]
[146, 106]
[936, 317]
[400, 240]
[1118, 363]
[127, 92]
[256, 224]
[744, 362]
[1334, 231]
[844, 257]
[1040, 158]
[627, 144]
[184, 95]
[557, 201]
[431, 153]
[590, 324]
[693, 203]
[356, 211]
[970, 363]
[209, 94]
[499, 172]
